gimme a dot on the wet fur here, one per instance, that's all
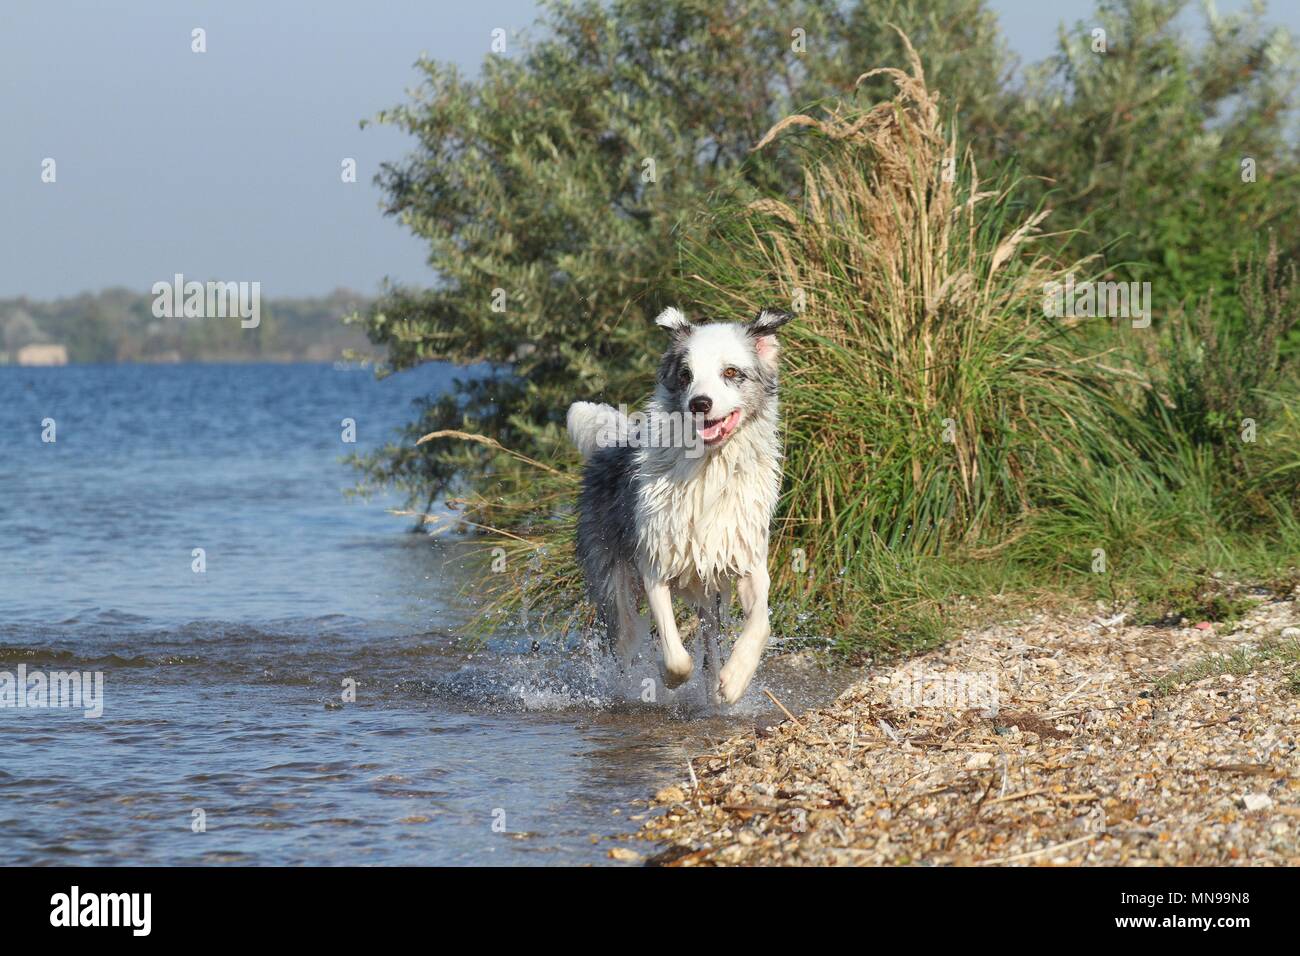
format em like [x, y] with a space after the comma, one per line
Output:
[656, 521]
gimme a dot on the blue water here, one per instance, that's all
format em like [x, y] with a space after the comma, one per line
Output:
[223, 690]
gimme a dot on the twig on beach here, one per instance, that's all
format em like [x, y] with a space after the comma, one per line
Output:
[1020, 796]
[783, 710]
[1047, 849]
[1078, 690]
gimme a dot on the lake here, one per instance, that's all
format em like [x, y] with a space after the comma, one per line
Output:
[225, 736]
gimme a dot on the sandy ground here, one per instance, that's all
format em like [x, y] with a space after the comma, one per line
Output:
[1053, 740]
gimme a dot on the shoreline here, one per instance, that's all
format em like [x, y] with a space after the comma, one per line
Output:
[1107, 744]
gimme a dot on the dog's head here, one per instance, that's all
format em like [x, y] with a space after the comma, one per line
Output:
[719, 375]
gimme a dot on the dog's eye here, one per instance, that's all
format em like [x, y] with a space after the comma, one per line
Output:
[684, 376]
[730, 372]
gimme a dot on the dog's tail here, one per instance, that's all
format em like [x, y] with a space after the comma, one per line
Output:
[592, 426]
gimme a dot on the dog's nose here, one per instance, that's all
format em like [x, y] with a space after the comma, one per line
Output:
[701, 404]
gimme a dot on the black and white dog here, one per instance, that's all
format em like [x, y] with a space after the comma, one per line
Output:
[678, 499]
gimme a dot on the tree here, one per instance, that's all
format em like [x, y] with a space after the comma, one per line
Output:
[1143, 137]
[551, 190]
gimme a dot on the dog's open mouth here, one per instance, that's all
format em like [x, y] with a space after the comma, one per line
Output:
[719, 429]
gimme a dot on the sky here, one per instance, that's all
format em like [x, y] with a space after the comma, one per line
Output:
[227, 164]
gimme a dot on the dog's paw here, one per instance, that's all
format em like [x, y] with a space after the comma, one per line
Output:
[678, 670]
[735, 677]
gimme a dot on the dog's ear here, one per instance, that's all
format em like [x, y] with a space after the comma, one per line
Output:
[763, 330]
[674, 321]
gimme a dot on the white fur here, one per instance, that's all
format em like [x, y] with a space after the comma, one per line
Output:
[671, 318]
[713, 347]
[701, 513]
[703, 520]
[589, 422]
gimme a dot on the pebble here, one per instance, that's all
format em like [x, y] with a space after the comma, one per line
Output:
[1133, 734]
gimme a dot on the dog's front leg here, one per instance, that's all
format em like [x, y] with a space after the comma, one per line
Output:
[677, 663]
[740, 667]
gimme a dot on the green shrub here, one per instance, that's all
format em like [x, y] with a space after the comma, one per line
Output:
[946, 434]
[550, 191]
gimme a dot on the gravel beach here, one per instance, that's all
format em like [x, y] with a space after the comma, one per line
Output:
[1058, 739]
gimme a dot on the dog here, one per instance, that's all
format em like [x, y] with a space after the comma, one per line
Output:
[678, 500]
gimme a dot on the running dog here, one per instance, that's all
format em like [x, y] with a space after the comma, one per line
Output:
[678, 499]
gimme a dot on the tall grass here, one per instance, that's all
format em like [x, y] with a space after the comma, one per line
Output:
[944, 433]
[927, 395]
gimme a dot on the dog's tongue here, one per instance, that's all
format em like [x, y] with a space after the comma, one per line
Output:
[720, 428]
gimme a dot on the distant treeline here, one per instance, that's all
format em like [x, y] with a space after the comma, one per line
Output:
[119, 325]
